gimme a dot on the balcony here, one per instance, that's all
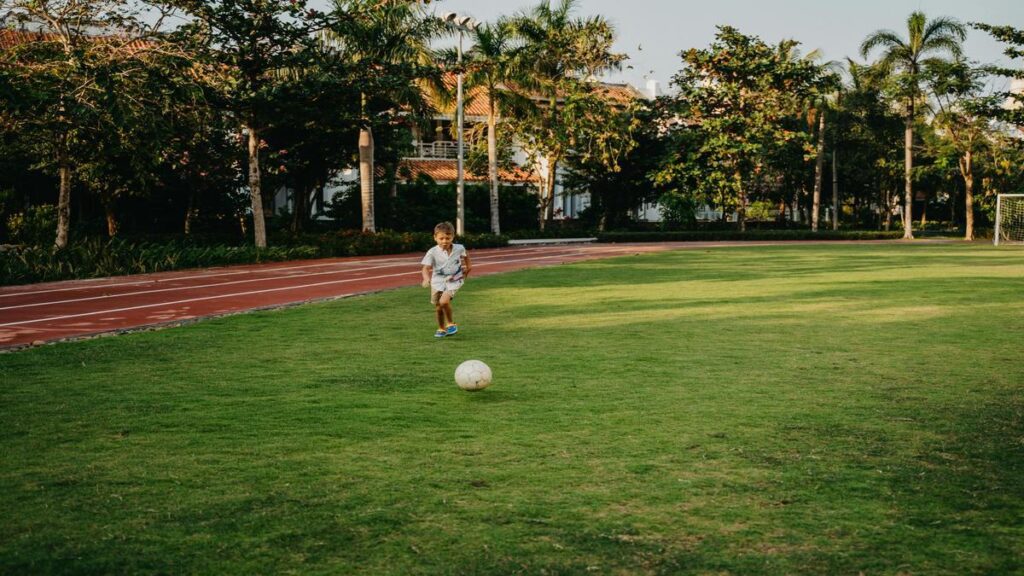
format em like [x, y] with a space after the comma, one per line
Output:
[439, 150]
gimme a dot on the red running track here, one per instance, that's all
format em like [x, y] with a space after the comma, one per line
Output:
[40, 313]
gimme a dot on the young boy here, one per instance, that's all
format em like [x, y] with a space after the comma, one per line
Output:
[445, 268]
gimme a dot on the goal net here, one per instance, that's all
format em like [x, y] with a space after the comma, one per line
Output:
[1009, 219]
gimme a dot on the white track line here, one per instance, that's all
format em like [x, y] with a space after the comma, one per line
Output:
[193, 287]
[397, 262]
[251, 270]
[250, 293]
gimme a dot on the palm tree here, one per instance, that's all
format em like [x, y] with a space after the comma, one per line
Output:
[906, 58]
[385, 41]
[561, 54]
[489, 66]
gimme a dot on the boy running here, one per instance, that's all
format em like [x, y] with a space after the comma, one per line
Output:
[445, 267]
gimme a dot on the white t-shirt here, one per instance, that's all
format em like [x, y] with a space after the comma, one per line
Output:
[447, 267]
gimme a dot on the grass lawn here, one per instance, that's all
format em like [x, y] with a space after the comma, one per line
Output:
[794, 409]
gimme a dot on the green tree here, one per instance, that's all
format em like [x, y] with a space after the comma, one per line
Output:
[314, 136]
[387, 45]
[560, 56]
[957, 90]
[905, 59]
[1011, 110]
[242, 46]
[730, 116]
[61, 81]
[490, 66]
[868, 132]
[617, 189]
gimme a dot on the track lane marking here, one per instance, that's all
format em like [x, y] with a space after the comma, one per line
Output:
[251, 293]
[489, 253]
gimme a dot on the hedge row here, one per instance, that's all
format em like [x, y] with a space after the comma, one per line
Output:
[97, 258]
[729, 235]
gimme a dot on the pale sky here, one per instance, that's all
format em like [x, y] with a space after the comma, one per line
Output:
[653, 32]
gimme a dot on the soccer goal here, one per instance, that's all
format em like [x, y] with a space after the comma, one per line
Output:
[1009, 219]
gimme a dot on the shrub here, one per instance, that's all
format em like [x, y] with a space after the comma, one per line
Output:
[727, 235]
[36, 225]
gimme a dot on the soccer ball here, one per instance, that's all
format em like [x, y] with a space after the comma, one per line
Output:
[473, 375]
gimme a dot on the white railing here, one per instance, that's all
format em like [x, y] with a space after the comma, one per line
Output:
[439, 149]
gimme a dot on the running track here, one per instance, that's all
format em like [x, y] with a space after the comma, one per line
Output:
[40, 313]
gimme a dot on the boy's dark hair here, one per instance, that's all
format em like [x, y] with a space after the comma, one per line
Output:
[445, 227]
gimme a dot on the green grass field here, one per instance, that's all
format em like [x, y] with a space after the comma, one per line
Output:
[795, 409]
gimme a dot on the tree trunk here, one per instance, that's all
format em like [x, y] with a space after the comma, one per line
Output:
[299, 208]
[366, 177]
[908, 165]
[111, 215]
[952, 207]
[819, 165]
[888, 210]
[64, 197]
[190, 212]
[742, 212]
[548, 197]
[794, 213]
[802, 210]
[259, 225]
[968, 171]
[492, 166]
[835, 192]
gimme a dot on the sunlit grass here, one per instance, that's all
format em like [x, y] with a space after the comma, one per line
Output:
[815, 409]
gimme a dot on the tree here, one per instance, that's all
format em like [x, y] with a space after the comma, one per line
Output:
[618, 189]
[242, 46]
[314, 135]
[868, 132]
[1011, 110]
[60, 78]
[387, 46]
[490, 66]
[818, 107]
[559, 57]
[730, 116]
[956, 87]
[905, 59]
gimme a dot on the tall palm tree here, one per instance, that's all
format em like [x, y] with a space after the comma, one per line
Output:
[906, 58]
[561, 54]
[384, 41]
[490, 66]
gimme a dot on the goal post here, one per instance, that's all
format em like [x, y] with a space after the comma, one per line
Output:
[1009, 219]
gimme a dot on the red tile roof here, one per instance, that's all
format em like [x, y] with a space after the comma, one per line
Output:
[447, 171]
[475, 98]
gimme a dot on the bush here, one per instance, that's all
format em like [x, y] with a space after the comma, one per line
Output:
[36, 225]
[727, 235]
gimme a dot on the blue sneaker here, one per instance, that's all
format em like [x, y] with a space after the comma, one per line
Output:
[451, 329]
[440, 333]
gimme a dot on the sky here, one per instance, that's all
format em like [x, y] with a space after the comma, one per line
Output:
[653, 32]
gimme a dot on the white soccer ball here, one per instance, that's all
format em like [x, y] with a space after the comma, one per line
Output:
[473, 375]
